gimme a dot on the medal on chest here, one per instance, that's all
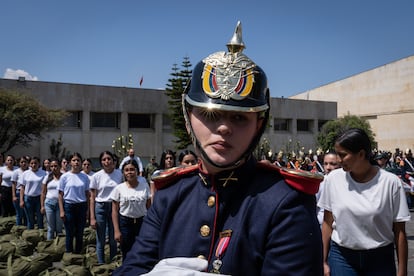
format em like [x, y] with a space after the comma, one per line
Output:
[220, 250]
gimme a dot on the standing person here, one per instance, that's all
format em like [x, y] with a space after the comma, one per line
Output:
[46, 165]
[30, 191]
[187, 158]
[167, 161]
[367, 205]
[131, 155]
[102, 184]
[49, 200]
[130, 201]
[73, 203]
[238, 215]
[6, 192]
[382, 160]
[64, 166]
[330, 163]
[87, 167]
[16, 184]
[150, 168]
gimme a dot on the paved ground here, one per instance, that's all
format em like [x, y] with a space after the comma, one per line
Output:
[410, 238]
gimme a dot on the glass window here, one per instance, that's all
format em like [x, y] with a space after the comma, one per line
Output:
[281, 124]
[166, 122]
[321, 123]
[107, 120]
[73, 120]
[304, 125]
[140, 121]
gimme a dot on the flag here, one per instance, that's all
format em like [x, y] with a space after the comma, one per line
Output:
[141, 80]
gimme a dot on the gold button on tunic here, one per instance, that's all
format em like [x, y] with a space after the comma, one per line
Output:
[204, 230]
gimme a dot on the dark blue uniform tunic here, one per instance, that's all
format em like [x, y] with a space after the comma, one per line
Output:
[274, 229]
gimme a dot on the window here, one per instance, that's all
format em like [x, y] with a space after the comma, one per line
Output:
[281, 124]
[166, 122]
[73, 120]
[321, 123]
[139, 121]
[108, 120]
[304, 125]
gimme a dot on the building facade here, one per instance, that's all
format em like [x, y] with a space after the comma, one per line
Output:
[100, 114]
[384, 96]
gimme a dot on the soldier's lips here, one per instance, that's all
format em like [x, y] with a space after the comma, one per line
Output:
[220, 145]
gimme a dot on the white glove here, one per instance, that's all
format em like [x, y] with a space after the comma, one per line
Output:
[180, 266]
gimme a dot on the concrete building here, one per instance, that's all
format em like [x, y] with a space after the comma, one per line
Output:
[384, 96]
[99, 114]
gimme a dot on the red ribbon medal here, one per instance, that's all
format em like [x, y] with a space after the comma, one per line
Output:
[221, 249]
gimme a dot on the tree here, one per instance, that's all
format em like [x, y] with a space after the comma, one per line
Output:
[56, 149]
[122, 144]
[23, 119]
[331, 129]
[175, 89]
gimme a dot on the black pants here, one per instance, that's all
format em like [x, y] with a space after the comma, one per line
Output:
[7, 208]
[129, 228]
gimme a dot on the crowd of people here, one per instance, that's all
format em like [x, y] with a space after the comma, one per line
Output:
[220, 210]
[68, 194]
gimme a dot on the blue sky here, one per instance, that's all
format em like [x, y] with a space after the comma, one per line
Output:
[300, 44]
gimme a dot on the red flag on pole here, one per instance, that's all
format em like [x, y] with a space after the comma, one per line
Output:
[141, 80]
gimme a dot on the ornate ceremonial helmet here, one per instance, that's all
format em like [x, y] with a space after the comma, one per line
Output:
[228, 81]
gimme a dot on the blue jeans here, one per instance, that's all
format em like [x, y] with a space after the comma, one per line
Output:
[103, 216]
[32, 209]
[129, 228]
[347, 262]
[20, 214]
[75, 220]
[54, 222]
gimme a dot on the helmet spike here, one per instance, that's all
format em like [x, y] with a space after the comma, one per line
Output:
[236, 43]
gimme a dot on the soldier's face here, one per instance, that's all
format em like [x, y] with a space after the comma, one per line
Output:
[224, 135]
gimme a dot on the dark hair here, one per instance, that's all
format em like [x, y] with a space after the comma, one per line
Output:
[36, 158]
[24, 157]
[130, 162]
[43, 163]
[184, 153]
[162, 160]
[75, 154]
[50, 176]
[88, 160]
[108, 153]
[355, 140]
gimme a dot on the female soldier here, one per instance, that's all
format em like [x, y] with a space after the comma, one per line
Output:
[240, 217]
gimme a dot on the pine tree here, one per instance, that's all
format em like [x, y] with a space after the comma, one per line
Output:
[175, 89]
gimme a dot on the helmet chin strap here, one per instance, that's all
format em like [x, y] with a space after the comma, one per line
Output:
[205, 156]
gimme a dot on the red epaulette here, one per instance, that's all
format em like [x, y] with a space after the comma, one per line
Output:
[303, 181]
[165, 178]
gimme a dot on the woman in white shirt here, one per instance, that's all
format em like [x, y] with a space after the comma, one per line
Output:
[6, 173]
[16, 183]
[130, 201]
[102, 184]
[365, 213]
[30, 190]
[73, 203]
[49, 200]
